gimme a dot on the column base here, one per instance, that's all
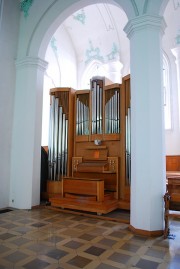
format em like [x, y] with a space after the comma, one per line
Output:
[145, 232]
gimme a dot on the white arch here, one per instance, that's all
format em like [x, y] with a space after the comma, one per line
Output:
[53, 16]
[40, 31]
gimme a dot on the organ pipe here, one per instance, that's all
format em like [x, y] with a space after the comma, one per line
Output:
[97, 106]
[128, 147]
[112, 112]
[58, 136]
[82, 115]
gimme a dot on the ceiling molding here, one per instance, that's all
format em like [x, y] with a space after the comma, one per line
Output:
[145, 6]
[136, 11]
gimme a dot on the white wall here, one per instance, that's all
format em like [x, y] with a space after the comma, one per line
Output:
[9, 26]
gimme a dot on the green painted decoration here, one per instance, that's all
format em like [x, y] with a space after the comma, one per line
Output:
[114, 53]
[178, 39]
[25, 5]
[53, 43]
[80, 17]
[93, 53]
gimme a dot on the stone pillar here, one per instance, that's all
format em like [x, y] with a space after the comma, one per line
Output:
[26, 136]
[147, 139]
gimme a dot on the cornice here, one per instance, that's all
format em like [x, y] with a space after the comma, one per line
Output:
[144, 21]
[31, 62]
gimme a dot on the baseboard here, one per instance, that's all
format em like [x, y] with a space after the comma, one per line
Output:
[145, 232]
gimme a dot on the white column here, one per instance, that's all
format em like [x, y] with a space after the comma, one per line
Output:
[176, 53]
[114, 69]
[26, 136]
[148, 153]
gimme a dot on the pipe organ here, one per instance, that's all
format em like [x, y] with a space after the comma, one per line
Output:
[89, 147]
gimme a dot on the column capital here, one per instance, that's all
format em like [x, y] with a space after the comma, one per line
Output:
[144, 22]
[31, 62]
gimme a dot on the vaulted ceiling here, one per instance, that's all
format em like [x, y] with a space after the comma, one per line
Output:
[97, 32]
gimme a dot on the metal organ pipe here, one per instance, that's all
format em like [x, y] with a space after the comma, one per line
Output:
[50, 142]
[59, 142]
[55, 156]
[82, 116]
[128, 147]
[58, 137]
[112, 113]
[97, 108]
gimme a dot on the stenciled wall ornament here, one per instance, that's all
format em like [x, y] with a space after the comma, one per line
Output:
[114, 54]
[80, 17]
[53, 44]
[178, 39]
[25, 6]
[176, 4]
[93, 54]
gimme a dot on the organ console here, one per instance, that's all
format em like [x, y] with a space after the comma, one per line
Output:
[89, 146]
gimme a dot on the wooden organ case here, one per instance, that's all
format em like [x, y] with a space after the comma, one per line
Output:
[100, 178]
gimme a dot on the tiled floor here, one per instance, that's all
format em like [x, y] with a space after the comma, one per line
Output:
[43, 238]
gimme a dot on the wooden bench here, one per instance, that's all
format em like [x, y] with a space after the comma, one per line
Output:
[84, 187]
[168, 199]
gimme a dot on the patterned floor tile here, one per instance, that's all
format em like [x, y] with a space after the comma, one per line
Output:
[20, 241]
[3, 249]
[146, 264]
[105, 266]
[117, 234]
[56, 254]
[36, 263]
[129, 246]
[73, 244]
[6, 236]
[87, 237]
[156, 253]
[47, 239]
[54, 238]
[107, 242]
[15, 257]
[38, 224]
[96, 251]
[79, 261]
[119, 257]
[39, 248]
